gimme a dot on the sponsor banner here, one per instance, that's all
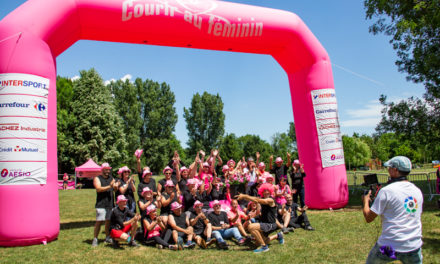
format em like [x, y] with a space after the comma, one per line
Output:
[324, 96]
[325, 111]
[327, 125]
[23, 173]
[23, 105]
[332, 158]
[23, 150]
[22, 127]
[13, 83]
[330, 142]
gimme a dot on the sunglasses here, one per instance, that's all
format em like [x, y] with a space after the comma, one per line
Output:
[167, 173]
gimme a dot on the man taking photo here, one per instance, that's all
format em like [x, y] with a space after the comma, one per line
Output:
[399, 205]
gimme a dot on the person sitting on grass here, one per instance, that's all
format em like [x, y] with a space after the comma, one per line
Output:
[156, 230]
[146, 200]
[221, 229]
[202, 226]
[268, 217]
[179, 223]
[236, 216]
[169, 196]
[119, 228]
[281, 190]
[288, 218]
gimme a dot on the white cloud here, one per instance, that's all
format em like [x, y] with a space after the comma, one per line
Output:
[368, 116]
[126, 77]
[109, 81]
[362, 122]
[74, 78]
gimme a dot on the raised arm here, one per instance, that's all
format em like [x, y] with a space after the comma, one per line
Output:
[289, 160]
[270, 162]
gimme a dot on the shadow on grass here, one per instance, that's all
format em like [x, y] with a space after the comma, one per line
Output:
[431, 244]
[75, 225]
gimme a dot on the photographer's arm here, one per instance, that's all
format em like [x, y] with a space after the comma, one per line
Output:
[368, 214]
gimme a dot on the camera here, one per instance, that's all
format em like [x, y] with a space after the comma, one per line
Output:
[370, 181]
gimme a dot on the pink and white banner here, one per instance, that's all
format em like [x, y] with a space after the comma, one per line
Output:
[23, 129]
[325, 108]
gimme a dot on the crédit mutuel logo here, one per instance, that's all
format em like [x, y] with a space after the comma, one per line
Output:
[198, 13]
[14, 173]
[18, 149]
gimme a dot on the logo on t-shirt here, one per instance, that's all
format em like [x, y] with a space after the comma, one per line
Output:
[411, 205]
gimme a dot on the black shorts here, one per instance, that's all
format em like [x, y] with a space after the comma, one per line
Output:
[181, 234]
[198, 232]
[65, 182]
[268, 228]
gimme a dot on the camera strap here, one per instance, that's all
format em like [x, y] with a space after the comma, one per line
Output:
[401, 178]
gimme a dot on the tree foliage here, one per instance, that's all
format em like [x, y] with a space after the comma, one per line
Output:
[205, 122]
[97, 129]
[414, 27]
[281, 144]
[356, 152]
[252, 144]
[159, 119]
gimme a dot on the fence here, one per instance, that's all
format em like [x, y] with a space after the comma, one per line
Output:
[425, 181]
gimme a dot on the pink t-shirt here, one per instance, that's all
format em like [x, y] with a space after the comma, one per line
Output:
[282, 199]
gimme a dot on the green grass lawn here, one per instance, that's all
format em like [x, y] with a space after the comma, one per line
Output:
[341, 236]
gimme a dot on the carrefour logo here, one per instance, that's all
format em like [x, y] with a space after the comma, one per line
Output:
[40, 107]
[14, 105]
[15, 173]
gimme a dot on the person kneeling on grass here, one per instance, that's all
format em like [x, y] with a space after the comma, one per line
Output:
[179, 222]
[202, 226]
[156, 230]
[221, 228]
[118, 228]
[288, 218]
[268, 217]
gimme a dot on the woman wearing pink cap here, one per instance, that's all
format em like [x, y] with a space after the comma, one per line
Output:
[179, 222]
[191, 195]
[146, 199]
[297, 177]
[65, 181]
[161, 184]
[127, 188]
[182, 176]
[156, 230]
[201, 225]
[281, 190]
[280, 169]
[236, 216]
[169, 196]
[119, 226]
[146, 181]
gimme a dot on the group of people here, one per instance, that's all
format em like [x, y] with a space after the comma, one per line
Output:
[207, 202]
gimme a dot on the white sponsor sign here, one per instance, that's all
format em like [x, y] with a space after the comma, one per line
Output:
[23, 129]
[327, 125]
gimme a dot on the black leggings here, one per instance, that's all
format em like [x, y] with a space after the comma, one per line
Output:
[163, 239]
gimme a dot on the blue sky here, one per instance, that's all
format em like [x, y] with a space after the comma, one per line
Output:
[254, 88]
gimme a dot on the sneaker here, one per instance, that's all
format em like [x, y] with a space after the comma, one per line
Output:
[95, 242]
[159, 246]
[309, 228]
[180, 243]
[109, 240]
[173, 247]
[261, 249]
[241, 241]
[285, 230]
[115, 243]
[223, 245]
[210, 241]
[189, 245]
[291, 229]
[133, 243]
[280, 237]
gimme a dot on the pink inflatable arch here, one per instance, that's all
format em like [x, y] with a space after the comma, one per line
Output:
[33, 35]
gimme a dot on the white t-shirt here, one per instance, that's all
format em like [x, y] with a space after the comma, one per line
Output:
[400, 206]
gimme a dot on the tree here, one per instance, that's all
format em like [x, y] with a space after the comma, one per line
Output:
[128, 105]
[252, 144]
[159, 120]
[65, 124]
[414, 27]
[230, 148]
[356, 152]
[281, 144]
[205, 122]
[98, 131]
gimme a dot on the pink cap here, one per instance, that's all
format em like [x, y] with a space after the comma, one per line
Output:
[225, 168]
[183, 169]
[175, 206]
[191, 182]
[138, 152]
[145, 190]
[146, 171]
[269, 177]
[261, 165]
[169, 183]
[151, 208]
[262, 180]
[231, 161]
[215, 202]
[125, 168]
[121, 198]
[243, 164]
[197, 203]
[167, 168]
[206, 164]
[120, 171]
[278, 160]
[296, 162]
[105, 165]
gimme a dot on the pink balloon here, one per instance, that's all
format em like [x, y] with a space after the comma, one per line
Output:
[33, 35]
